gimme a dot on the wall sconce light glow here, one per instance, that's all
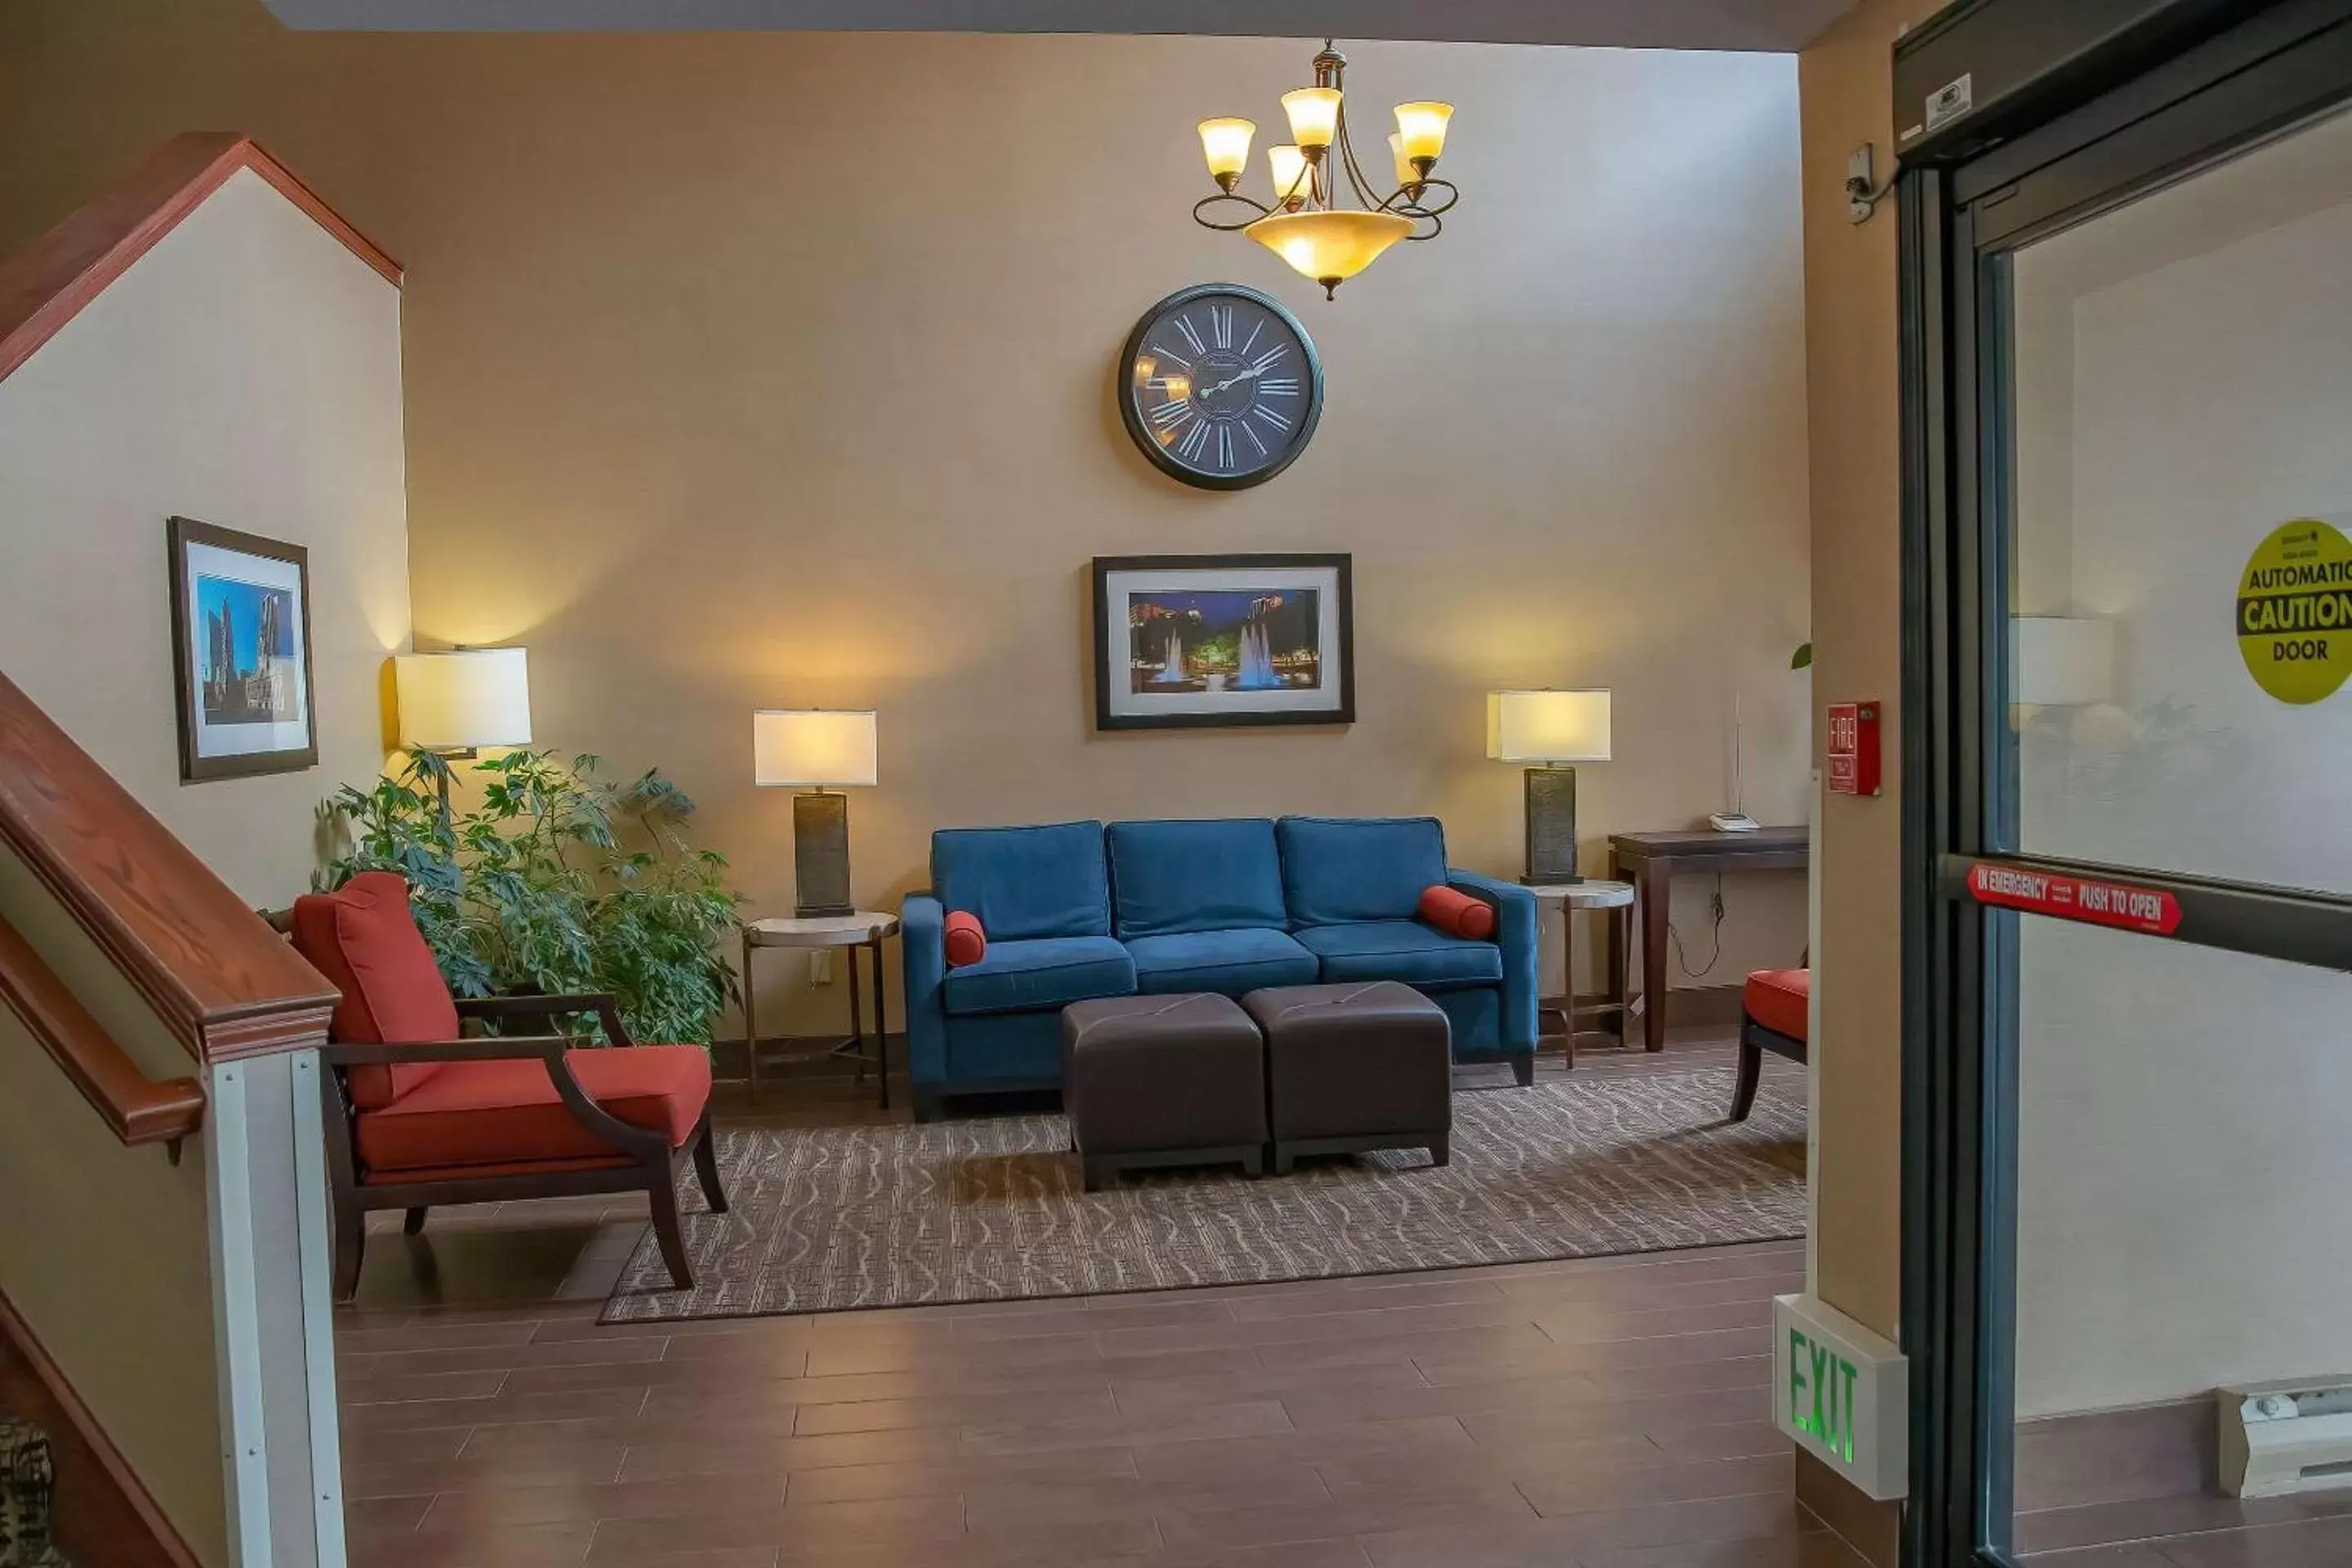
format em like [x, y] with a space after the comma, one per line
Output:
[815, 748]
[464, 699]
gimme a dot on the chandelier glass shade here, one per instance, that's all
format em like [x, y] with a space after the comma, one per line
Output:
[1307, 223]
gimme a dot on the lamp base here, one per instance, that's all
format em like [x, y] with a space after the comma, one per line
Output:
[1551, 827]
[821, 855]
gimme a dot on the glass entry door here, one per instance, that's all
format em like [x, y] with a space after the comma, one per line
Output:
[2130, 1095]
[2177, 490]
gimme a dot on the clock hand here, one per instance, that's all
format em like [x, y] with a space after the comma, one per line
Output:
[1250, 374]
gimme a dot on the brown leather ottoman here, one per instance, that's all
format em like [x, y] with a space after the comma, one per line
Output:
[1162, 1080]
[1350, 1068]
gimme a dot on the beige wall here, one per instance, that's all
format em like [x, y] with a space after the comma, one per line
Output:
[118, 1291]
[775, 370]
[1850, 345]
[245, 371]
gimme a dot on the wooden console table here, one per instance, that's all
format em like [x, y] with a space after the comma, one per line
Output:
[1650, 862]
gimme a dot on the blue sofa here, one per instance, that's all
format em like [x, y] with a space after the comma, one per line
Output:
[1075, 909]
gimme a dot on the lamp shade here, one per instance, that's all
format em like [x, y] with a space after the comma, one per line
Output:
[1421, 128]
[2061, 659]
[814, 747]
[1287, 167]
[1330, 247]
[1226, 143]
[1314, 114]
[465, 698]
[1548, 726]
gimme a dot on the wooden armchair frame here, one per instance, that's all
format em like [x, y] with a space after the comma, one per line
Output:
[651, 1171]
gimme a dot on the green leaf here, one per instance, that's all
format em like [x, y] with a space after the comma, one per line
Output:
[1803, 658]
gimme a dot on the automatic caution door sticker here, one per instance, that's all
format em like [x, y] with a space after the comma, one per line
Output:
[2294, 612]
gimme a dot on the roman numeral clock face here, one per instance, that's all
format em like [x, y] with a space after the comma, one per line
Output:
[1220, 386]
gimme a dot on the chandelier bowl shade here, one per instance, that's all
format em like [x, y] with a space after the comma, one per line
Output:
[1330, 247]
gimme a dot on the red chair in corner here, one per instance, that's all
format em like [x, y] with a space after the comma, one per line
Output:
[416, 1116]
[1773, 1010]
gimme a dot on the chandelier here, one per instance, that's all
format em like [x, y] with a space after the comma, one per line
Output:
[1305, 225]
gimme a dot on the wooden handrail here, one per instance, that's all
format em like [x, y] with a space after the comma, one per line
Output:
[44, 286]
[221, 980]
[138, 1109]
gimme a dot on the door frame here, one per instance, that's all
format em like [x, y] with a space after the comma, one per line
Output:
[2280, 68]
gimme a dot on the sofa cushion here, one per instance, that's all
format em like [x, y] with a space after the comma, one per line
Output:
[1168, 878]
[1043, 971]
[505, 1113]
[1776, 999]
[362, 938]
[1337, 869]
[1023, 882]
[1228, 962]
[1409, 951]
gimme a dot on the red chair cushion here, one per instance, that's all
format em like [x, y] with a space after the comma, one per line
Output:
[965, 941]
[362, 937]
[1457, 913]
[507, 1113]
[1776, 999]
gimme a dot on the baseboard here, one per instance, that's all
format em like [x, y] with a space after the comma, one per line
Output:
[2118, 1456]
[103, 1515]
[1874, 1529]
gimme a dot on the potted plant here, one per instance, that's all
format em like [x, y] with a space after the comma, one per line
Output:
[557, 881]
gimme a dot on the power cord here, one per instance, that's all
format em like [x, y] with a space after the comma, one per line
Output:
[1675, 938]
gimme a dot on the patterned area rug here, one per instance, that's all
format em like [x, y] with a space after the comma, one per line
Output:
[1580, 1165]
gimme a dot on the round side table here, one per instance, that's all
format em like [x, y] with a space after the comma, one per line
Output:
[1617, 899]
[862, 931]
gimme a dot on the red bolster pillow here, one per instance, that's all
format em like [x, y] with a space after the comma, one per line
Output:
[966, 942]
[1450, 909]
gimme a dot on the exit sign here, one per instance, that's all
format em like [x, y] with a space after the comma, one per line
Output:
[1842, 1393]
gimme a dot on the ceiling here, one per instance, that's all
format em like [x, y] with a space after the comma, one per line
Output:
[1769, 25]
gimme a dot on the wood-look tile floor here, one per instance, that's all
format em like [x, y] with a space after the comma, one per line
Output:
[1606, 1412]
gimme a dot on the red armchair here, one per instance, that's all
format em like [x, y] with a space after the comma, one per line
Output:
[416, 1116]
[1773, 1019]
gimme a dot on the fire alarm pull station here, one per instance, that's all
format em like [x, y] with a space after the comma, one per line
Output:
[1854, 748]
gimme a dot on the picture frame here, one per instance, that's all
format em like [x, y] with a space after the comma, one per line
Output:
[1216, 642]
[241, 660]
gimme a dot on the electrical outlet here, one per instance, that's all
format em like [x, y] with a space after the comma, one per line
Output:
[821, 966]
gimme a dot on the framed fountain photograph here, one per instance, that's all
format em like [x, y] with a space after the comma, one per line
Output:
[1201, 642]
[241, 652]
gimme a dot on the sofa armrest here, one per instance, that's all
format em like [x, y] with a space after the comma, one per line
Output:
[1517, 928]
[923, 939]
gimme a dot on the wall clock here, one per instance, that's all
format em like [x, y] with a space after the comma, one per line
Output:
[1220, 386]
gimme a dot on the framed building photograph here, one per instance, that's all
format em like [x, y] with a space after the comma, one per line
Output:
[1222, 641]
[241, 652]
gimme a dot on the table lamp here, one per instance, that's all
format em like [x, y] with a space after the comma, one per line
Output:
[812, 749]
[1550, 729]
